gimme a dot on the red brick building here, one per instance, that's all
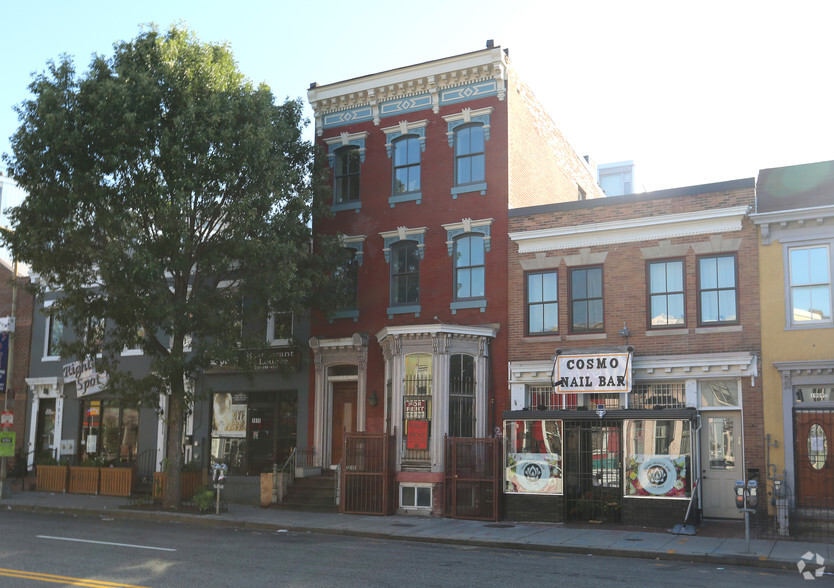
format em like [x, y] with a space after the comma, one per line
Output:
[14, 400]
[427, 160]
[644, 311]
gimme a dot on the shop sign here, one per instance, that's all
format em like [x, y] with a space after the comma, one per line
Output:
[7, 444]
[533, 473]
[6, 419]
[418, 435]
[83, 373]
[415, 409]
[593, 372]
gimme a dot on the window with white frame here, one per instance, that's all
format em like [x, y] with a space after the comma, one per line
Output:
[54, 332]
[717, 290]
[667, 305]
[415, 496]
[810, 285]
[279, 328]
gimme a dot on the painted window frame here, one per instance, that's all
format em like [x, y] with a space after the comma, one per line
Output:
[543, 302]
[573, 272]
[717, 289]
[791, 287]
[410, 144]
[396, 248]
[666, 294]
[464, 392]
[49, 351]
[470, 156]
[347, 154]
[471, 268]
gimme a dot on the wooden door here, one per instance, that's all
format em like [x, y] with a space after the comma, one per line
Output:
[344, 417]
[814, 431]
[722, 463]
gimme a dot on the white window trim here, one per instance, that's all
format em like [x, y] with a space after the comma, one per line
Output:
[47, 304]
[270, 330]
[416, 485]
[811, 324]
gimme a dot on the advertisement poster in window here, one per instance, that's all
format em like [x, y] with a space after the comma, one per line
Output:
[533, 463]
[657, 475]
[229, 418]
[417, 437]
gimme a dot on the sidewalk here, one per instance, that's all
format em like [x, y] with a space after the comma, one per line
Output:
[729, 549]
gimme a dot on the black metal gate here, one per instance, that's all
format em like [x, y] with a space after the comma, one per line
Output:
[367, 476]
[473, 478]
[593, 470]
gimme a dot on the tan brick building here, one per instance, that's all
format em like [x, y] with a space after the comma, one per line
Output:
[643, 309]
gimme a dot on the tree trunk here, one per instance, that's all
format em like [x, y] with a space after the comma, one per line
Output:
[173, 482]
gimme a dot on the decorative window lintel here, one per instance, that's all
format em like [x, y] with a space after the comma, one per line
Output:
[344, 140]
[355, 242]
[403, 234]
[405, 128]
[466, 116]
[467, 225]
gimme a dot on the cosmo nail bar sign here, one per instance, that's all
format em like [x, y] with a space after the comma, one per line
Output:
[593, 372]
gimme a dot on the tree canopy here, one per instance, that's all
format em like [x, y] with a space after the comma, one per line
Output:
[164, 188]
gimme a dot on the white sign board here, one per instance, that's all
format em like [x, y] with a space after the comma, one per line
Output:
[83, 373]
[593, 372]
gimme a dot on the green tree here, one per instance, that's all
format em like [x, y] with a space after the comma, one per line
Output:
[164, 189]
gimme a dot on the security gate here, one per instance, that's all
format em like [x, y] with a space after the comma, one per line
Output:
[473, 478]
[367, 474]
[593, 470]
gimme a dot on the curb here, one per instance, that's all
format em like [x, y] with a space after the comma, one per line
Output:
[213, 520]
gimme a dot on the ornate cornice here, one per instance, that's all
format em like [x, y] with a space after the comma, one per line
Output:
[666, 226]
[408, 89]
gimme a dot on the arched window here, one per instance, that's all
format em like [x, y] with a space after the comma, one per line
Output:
[462, 396]
[346, 188]
[469, 266]
[469, 154]
[406, 164]
[405, 273]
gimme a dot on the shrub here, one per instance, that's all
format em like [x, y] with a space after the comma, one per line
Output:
[204, 498]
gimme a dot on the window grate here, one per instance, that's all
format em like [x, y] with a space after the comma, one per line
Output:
[666, 395]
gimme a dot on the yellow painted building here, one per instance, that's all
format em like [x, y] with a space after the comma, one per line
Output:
[795, 218]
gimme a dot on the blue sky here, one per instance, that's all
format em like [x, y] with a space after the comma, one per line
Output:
[693, 93]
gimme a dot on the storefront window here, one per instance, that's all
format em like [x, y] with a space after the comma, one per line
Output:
[533, 457]
[253, 431]
[109, 432]
[658, 463]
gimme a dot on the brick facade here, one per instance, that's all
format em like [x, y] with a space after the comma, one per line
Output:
[614, 233]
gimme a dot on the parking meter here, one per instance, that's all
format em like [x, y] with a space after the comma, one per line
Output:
[739, 488]
[752, 491]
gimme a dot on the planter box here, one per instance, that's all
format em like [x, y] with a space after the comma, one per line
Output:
[117, 481]
[83, 480]
[51, 478]
[190, 482]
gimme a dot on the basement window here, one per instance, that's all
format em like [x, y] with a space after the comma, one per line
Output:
[415, 496]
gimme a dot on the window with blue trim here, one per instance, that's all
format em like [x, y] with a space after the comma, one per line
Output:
[469, 154]
[346, 186]
[405, 273]
[346, 278]
[469, 267]
[406, 165]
